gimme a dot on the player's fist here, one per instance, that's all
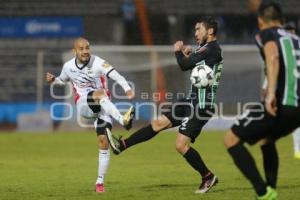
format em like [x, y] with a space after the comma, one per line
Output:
[187, 50]
[130, 94]
[178, 46]
[50, 77]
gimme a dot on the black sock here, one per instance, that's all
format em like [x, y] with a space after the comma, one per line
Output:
[271, 163]
[194, 159]
[244, 161]
[139, 136]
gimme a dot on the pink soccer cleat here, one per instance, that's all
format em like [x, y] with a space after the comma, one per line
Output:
[100, 188]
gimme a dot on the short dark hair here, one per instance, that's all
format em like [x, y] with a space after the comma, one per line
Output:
[209, 22]
[270, 11]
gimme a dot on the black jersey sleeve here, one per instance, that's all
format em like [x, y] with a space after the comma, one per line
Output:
[187, 63]
[268, 35]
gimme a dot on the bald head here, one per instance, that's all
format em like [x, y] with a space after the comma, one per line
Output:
[80, 41]
[82, 50]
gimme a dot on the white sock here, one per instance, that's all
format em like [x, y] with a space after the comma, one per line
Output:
[111, 109]
[296, 139]
[103, 160]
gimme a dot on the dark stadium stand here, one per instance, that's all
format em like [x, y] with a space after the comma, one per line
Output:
[18, 61]
[104, 7]
[57, 7]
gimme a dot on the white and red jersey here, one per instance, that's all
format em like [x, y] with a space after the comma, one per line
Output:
[90, 76]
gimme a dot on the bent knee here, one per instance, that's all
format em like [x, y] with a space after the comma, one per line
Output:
[182, 144]
[181, 148]
[161, 123]
[230, 139]
[99, 94]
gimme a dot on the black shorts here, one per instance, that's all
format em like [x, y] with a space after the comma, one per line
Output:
[101, 126]
[95, 107]
[189, 118]
[258, 124]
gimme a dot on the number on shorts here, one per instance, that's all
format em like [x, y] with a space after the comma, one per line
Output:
[184, 123]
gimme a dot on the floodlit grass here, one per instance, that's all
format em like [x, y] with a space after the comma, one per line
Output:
[64, 166]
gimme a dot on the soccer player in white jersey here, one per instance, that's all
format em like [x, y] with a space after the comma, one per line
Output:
[92, 99]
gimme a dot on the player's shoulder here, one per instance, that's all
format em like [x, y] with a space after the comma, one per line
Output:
[272, 34]
[273, 30]
[214, 49]
[97, 61]
[212, 46]
[69, 63]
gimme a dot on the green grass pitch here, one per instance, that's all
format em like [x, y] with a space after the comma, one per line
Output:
[64, 166]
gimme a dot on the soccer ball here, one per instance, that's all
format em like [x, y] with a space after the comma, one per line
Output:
[202, 76]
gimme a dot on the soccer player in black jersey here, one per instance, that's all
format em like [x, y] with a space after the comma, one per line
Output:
[290, 27]
[201, 103]
[280, 51]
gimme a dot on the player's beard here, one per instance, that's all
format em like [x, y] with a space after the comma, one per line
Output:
[203, 41]
[86, 60]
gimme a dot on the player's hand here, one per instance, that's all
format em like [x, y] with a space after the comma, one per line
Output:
[178, 46]
[130, 94]
[271, 103]
[187, 50]
[50, 77]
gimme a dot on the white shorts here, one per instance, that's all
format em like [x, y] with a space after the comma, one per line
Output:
[85, 111]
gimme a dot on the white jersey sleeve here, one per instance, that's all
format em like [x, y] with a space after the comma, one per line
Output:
[114, 75]
[110, 72]
[63, 77]
[104, 67]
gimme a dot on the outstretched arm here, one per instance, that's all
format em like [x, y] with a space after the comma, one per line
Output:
[61, 80]
[122, 82]
[54, 80]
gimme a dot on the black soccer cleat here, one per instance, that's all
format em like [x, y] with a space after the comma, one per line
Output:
[128, 118]
[115, 143]
[207, 184]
